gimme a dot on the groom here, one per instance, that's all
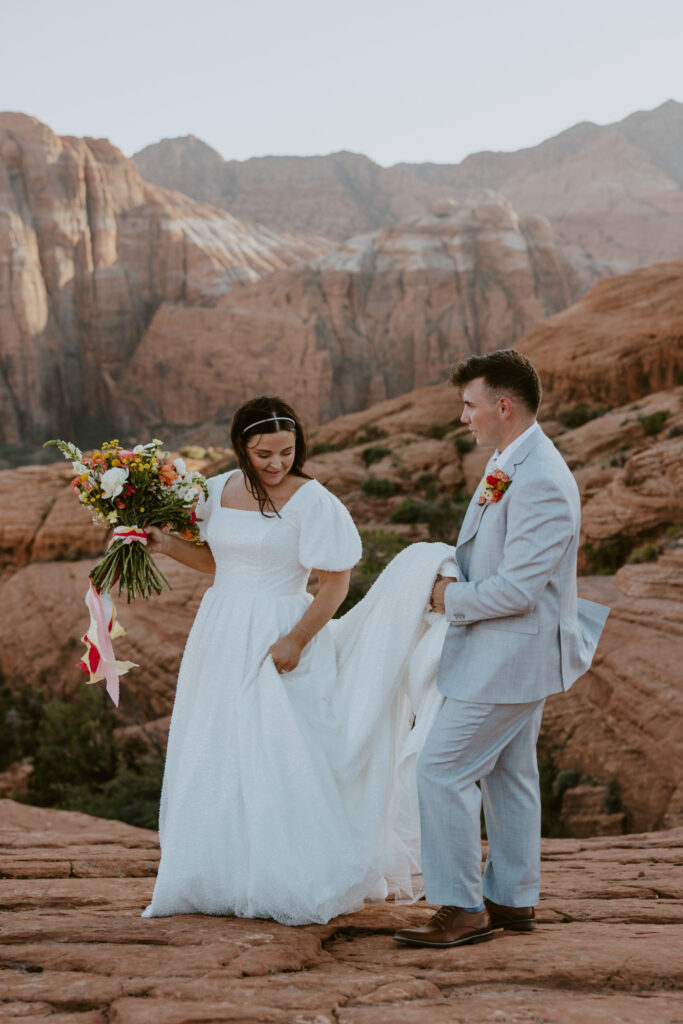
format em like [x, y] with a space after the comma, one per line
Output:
[516, 635]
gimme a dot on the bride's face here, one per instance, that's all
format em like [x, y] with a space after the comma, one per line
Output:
[272, 456]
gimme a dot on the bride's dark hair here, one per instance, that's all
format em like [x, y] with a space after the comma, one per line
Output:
[266, 414]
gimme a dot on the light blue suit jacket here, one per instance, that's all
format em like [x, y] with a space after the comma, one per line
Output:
[517, 631]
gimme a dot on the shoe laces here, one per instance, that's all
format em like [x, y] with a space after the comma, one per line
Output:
[442, 914]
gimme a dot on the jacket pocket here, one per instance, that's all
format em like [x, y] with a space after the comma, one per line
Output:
[512, 624]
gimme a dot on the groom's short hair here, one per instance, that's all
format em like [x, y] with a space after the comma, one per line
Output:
[505, 371]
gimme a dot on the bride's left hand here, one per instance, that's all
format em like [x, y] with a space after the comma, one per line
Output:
[286, 653]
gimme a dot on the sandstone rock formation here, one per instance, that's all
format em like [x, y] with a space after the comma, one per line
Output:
[612, 193]
[621, 341]
[88, 252]
[374, 318]
[74, 947]
[337, 196]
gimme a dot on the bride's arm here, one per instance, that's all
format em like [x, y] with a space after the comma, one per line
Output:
[184, 551]
[334, 586]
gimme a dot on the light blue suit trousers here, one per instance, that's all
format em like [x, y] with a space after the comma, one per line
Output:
[495, 745]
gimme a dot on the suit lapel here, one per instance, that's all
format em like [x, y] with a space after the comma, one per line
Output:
[475, 513]
[471, 521]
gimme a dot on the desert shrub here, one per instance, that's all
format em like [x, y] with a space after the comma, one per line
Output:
[465, 444]
[437, 431]
[605, 559]
[443, 518]
[675, 432]
[654, 423]
[374, 454]
[553, 784]
[131, 795]
[579, 414]
[20, 715]
[78, 765]
[370, 433]
[410, 511]
[378, 487]
[645, 553]
[74, 746]
[320, 448]
[425, 479]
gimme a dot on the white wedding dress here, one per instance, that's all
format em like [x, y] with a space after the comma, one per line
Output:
[292, 796]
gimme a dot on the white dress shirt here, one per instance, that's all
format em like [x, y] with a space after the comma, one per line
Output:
[500, 460]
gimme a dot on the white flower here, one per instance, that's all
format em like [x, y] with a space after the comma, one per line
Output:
[113, 517]
[79, 468]
[180, 467]
[112, 482]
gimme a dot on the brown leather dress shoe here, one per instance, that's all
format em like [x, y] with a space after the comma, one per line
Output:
[450, 926]
[514, 919]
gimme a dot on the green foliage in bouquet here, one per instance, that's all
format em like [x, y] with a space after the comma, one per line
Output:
[130, 489]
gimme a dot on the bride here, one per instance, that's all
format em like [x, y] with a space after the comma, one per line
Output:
[289, 788]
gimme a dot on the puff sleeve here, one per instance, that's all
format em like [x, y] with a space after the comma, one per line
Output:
[328, 538]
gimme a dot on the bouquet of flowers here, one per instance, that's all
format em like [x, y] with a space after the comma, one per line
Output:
[128, 489]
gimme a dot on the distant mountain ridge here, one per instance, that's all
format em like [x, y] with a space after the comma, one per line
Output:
[613, 193]
[88, 252]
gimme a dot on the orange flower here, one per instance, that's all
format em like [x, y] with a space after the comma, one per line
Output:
[167, 474]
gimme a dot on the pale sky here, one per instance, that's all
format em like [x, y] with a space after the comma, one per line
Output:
[413, 80]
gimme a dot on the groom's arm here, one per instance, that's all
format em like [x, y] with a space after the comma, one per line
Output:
[540, 527]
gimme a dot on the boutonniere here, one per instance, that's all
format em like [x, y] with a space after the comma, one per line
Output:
[494, 487]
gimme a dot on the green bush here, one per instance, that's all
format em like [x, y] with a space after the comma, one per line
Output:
[20, 715]
[654, 423]
[579, 414]
[645, 553]
[675, 431]
[131, 795]
[410, 511]
[374, 454]
[437, 431]
[320, 448]
[605, 559]
[378, 487]
[465, 444]
[78, 765]
[370, 433]
[74, 746]
[443, 518]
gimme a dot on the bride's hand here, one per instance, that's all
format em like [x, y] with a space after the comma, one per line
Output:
[286, 653]
[158, 542]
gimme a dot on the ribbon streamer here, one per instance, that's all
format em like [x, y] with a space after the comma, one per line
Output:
[100, 662]
[128, 534]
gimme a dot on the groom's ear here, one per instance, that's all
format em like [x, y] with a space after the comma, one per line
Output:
[505, 406]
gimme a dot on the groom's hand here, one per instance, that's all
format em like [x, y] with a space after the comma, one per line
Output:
[438, 590]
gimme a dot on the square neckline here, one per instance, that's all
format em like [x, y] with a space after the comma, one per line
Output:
[252, 511]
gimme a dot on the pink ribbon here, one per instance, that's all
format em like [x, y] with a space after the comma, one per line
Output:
[128, 534]
[100, 660]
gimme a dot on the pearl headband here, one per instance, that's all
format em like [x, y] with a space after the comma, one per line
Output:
[271, 419]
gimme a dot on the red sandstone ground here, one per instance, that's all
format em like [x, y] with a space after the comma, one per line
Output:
[74, 949]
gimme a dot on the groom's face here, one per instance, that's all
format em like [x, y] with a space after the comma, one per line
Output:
[481, 413]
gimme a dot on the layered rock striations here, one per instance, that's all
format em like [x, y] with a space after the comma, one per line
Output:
[612, 193]
[621, 341]
[73, 946]
[88, 252]
[371, 319]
